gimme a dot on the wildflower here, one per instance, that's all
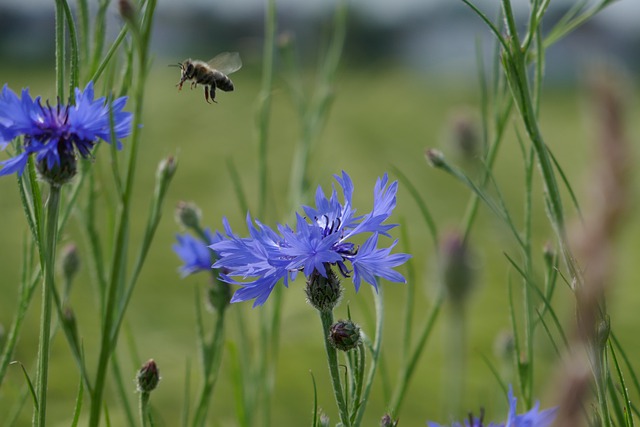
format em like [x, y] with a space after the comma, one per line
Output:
[533, 418]
[56, 134]
[194, 253]
[322, 240]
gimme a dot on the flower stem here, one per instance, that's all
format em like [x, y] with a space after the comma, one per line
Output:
[51, 236]
[144, 408]
[332, 357]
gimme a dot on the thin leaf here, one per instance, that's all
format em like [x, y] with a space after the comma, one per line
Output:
[424, 210]
[315, 422]
[625, 393]
[29, 384]
[78, 408]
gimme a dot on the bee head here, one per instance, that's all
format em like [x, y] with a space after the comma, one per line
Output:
[187, 69]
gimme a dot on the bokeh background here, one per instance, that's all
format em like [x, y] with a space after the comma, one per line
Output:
[408, 75]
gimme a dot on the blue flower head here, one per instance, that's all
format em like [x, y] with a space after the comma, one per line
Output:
[533, 418]
[56, 134]
[321, 240]
[194, 253]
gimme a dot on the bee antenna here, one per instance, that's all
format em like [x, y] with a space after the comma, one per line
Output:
[179, 65]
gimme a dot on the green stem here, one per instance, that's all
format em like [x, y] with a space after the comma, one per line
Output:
[51, 233]
[109, 335]
[144, 408]
[332, 357]
[214, 357]
[411, 364]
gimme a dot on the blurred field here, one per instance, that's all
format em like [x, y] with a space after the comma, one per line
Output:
[381, 117]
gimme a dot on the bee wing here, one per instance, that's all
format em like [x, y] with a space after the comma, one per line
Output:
[226, 62]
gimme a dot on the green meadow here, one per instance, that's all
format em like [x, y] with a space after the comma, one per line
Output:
[381, 119]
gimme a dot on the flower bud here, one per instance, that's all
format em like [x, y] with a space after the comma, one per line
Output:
[603, 331]
[218, 294]
[464, 134]
[148, 377]
[345, 335]
[325, 421]
[127, 11]
[69, 262]
[166, 169]
[435, 158]
[188, 215]
[323, 293]
[387, 421]
[457, 272]
[59, 173]
[504, 346]
[549, 254]
[70, 323]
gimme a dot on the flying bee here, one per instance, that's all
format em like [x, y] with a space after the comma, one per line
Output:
[211, 74]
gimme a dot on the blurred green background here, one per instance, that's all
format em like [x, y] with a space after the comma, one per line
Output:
[387, 110]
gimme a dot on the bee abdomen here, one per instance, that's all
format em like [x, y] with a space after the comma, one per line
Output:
[223, 82]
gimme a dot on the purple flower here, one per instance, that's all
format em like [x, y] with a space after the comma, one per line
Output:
[533, 418]
[56, 133]
[194, 253]
[320, 240]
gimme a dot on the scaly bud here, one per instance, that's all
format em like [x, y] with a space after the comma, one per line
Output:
[387, 421]
[69, 264]
[59, 173]
[323, 293]
[148, 377]
[345, 335]
[188, 215]
[457, 272]
[218, 294]
[435, 158]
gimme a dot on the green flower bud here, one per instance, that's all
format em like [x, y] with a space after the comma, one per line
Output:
[218, 294]
[69, 262]
[323, 293]
[603, 330]
[325, 421]
[464, 134]
[188, 215]
[435, 158]
[504, 346]
[166, 169]
[457, 272]
[345, 335]
[70, 322]
[148, 377]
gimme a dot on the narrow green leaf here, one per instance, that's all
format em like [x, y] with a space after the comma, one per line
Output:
[78, 407]
[424, 210]
[29, 384]
[623, 385]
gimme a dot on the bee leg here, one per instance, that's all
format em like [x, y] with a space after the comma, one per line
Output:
[213, 93]
[206, 94]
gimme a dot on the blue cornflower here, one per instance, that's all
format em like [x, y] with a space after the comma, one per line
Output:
[56, 133]
[320, 241]
[533, 418]
[194, 253]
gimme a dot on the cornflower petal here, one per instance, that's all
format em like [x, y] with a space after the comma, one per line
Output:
[309, 248]
[371, 262]
[194, 253]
